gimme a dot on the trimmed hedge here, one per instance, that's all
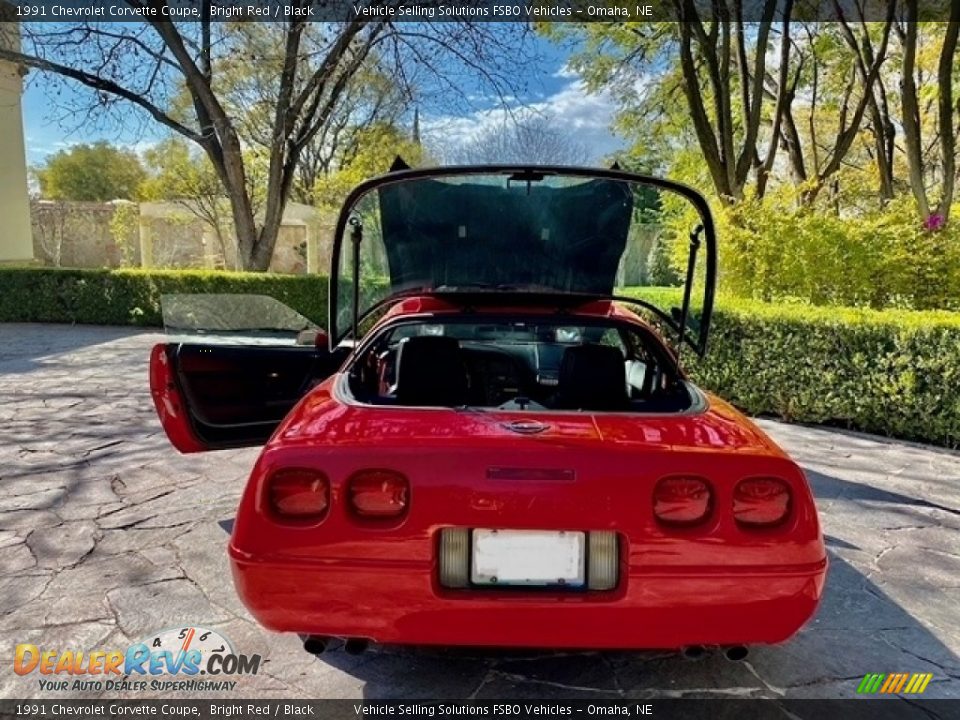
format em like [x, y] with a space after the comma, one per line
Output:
[132, 296]
[888, 372]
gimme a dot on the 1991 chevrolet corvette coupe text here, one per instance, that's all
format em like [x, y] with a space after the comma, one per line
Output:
[489, 448]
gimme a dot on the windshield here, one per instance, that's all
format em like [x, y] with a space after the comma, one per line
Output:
[528, 230]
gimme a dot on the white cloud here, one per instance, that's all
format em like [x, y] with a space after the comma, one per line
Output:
[586, 115]
[566, 72]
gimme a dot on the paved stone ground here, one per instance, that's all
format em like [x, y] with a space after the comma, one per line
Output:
[107, 534]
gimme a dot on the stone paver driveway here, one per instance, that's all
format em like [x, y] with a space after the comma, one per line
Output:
[107, 534]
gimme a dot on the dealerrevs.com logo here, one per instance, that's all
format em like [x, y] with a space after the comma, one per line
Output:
[167, 661]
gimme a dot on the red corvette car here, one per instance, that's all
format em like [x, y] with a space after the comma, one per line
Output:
[488, 447]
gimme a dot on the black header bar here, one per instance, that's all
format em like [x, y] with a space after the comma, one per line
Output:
[892, 708]
[469, 10]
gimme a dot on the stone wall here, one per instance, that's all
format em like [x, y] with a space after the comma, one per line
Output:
[77, 234]
[122, 234]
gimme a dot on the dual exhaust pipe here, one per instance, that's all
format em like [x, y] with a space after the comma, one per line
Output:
[733, 653]
[317, 644]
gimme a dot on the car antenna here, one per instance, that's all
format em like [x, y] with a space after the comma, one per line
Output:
[691, 264]
[356, 237]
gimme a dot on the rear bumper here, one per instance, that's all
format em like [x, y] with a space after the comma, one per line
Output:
[400, 602]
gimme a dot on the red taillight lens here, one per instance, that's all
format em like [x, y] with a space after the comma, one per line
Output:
[682, 500]
[761, 501]
[299, 493]
[378, 494]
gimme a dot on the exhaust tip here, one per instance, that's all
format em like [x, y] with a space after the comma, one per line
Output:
[736, 653]
[355, 646]
[694, 652]
[315, 644]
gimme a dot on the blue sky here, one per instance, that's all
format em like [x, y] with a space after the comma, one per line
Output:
[552, 91]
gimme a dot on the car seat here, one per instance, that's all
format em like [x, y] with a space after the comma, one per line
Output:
[431, 372]
[592, 377]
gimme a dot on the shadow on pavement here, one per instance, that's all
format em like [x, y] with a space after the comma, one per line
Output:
[828, 487]
[17, 356]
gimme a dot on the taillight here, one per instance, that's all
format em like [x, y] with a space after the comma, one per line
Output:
[682, 500]
[300, 494]
[761, 501]
[378, 494]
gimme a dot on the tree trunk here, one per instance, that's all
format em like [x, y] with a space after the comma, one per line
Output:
[714, 154]
[948, 146]
[911, 113]
[230, 167]
[884, 131]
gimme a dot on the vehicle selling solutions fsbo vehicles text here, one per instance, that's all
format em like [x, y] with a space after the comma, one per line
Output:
[498, 710]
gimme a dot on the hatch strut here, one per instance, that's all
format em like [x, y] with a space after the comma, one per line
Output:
[356, 237]
[691, 264]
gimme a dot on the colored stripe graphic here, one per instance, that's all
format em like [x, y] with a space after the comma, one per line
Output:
[894, 683]
[870, 683]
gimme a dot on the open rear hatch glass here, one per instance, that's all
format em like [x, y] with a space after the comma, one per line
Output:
[545, 234]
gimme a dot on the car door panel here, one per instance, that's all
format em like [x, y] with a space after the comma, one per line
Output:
[227, 396]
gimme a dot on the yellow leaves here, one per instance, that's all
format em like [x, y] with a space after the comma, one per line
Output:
[377, 147]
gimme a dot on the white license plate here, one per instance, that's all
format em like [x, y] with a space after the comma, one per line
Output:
[528, 557]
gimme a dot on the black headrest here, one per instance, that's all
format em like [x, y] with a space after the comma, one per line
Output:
[431, 371]
[593, 377]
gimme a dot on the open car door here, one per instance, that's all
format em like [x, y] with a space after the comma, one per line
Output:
[233, 367]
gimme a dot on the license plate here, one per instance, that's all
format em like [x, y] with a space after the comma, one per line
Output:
[528, 557]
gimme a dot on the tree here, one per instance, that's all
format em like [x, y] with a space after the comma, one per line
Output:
[310, 66]
[919, 162]
[97, 172]
[188, 179]
[833, 102]
[375, 147]
[373, 99]
[735, 89]
[719, 68]
[531, 138]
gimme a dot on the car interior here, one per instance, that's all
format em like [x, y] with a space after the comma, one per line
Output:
[519, 365]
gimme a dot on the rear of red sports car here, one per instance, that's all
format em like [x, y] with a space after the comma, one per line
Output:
[507, 457]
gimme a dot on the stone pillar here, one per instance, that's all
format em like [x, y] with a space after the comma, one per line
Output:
[311, 242]
[16, 237]
[146, 242]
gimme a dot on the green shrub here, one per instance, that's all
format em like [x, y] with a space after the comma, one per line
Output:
[132, 296]
[878, 257]
[891, 372]
[659, 269]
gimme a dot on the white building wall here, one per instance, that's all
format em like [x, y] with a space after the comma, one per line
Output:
[16, 243]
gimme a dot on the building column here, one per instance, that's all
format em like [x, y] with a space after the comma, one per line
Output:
[16, 237]
[312, 249]
[146, 242]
